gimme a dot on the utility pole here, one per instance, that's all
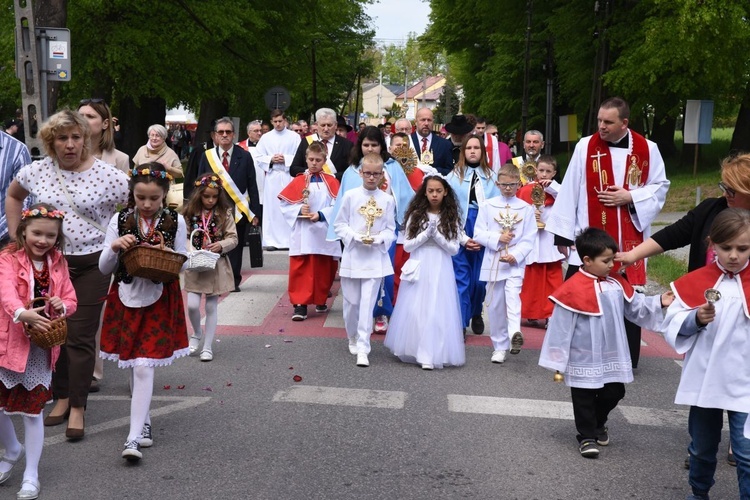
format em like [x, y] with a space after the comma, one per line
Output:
[27, 68]
[550, 100]
[525, 99]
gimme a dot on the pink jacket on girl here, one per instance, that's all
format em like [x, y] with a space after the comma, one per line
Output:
[15, 292]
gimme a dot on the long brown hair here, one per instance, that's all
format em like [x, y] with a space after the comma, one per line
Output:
[450, 214]
[460, 167]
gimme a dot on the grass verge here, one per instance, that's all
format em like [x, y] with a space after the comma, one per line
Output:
[664, 269]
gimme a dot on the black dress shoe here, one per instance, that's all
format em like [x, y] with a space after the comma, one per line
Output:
[477, 325]
[236, 289]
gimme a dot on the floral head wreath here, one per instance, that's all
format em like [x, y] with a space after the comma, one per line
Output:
[209, 181]
[39, 213]
[159, 174]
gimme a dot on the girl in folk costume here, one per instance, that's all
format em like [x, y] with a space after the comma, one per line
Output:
[543, 272]
[210, 218]
[709, 322]
[393, 182]
[473, 182]
[144, 320]
[32, 267]
[420, 332]
[306, 204]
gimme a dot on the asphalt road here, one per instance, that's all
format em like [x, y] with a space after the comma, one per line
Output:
[242, 427]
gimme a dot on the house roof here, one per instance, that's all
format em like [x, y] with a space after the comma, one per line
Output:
[416, 89]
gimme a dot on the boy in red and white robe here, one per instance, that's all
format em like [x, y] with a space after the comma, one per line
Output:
[543, 273]
[312, 259]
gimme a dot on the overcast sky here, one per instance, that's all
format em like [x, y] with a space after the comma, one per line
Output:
[394, 19]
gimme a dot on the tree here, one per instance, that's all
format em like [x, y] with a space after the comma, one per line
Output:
[219, 57]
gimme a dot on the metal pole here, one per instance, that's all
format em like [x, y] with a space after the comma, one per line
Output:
[550, 92]
[525, 99]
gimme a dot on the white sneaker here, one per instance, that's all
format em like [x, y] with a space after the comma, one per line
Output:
[353, 346]
[195, 343]
[381, 324]
[362, 359]
[207, 355]
[499, 356]
[427, 366]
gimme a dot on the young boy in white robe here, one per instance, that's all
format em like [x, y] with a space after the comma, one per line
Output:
[708, 323]
[306, 204]
[366, 223]
[506, 227]
[586, 338]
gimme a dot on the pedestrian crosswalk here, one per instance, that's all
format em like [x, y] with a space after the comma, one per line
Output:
[480, 405]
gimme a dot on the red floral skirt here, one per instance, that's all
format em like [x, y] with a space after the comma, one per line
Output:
[22, 401]
[147, 336]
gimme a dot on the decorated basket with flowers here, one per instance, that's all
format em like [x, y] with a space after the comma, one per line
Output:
[153, 263]
[55, 335]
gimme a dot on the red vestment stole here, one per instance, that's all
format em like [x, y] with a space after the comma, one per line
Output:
[690, 288]
[579, 294]
[293, 192]
[617, 221]
[488, 147]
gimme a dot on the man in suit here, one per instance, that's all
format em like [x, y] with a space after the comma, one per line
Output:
[240, 184]
[338, 147]
[425, 141]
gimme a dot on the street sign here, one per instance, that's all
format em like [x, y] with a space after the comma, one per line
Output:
[277, 98]
[57, 58]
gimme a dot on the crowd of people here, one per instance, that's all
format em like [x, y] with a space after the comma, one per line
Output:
[407, 217]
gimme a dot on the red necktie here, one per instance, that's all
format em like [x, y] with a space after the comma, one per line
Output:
[225, 162]
[424, 144]
[328, 149]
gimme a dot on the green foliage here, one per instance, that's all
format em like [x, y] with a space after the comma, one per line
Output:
[655, 53]
[415, 57]
[664, 269]
[190, 51]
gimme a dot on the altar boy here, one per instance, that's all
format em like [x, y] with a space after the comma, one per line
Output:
[366, 223]
[506, 227]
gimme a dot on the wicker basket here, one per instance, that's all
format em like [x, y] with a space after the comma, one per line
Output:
[153, 263]
[57, 333]
[200, 260]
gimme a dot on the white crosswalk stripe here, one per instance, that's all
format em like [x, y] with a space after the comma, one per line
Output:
[260, 294]
[340, 396]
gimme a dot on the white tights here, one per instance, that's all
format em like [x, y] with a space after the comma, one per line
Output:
[140, 402]
[34, 442]
[212, 318]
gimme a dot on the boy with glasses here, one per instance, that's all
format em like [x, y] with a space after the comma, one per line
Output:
[506, 227]
[366, 223]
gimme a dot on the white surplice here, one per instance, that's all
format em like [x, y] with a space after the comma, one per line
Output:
[716, 371]
[276, 231]
[307, 237]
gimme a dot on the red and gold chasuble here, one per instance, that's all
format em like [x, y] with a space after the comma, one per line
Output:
[617, 221]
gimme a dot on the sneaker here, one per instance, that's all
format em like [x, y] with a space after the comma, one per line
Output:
[477, 325]
[588, 448]
[362, 360]
[381, 324]
[132, 451]
[300, 313]
[602, 437]
[321, 309]
[195, 343]
[147, 439]
[353, 346]
[498, 356]
[207, 355]
[427, 366]
[516, 341]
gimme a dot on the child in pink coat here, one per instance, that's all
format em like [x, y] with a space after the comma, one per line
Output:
[31, 267]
